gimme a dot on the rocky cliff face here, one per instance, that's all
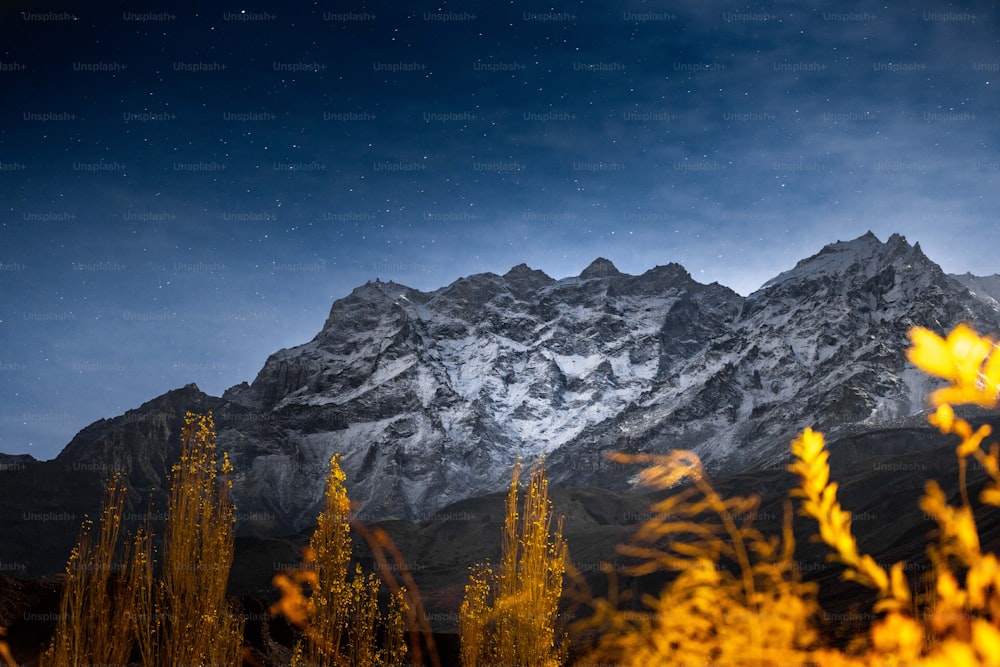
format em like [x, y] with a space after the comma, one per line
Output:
[432, 396]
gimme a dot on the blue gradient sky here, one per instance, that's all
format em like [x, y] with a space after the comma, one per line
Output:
[186, 191]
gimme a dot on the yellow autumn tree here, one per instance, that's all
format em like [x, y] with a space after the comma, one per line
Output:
[184, 618]
[96, 588]
[340, 619]
[510, 616]
[197, 625]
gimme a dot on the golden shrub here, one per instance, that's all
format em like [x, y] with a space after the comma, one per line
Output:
[93, 591]
[736, 599]
[198, 624]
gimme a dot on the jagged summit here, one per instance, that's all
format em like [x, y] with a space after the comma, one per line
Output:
[600, 268]
[377, 287]
[523, 279]
[520, 271]
[864, 256]
[672, 272]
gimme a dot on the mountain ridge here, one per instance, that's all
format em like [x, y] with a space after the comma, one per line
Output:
[431, 396]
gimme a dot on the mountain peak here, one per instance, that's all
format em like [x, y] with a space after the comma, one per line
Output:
[866, 254]
[865, 243]
[600, 268]
[523, 279]
[522, 271]
[376, 290]
[671, 269]
[520, 268]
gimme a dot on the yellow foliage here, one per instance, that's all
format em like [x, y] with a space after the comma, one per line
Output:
[183, 618]
[835, 524]
[324, 614]
[93, 589]
[339, 618]
[737, 598]
[508, 616]
[198, 624]
[961, 625]
[969, 362]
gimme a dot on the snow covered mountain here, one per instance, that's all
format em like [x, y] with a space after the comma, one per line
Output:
[432, 396]
[821, 345]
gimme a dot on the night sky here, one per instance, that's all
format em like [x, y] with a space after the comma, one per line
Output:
[184, 191]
